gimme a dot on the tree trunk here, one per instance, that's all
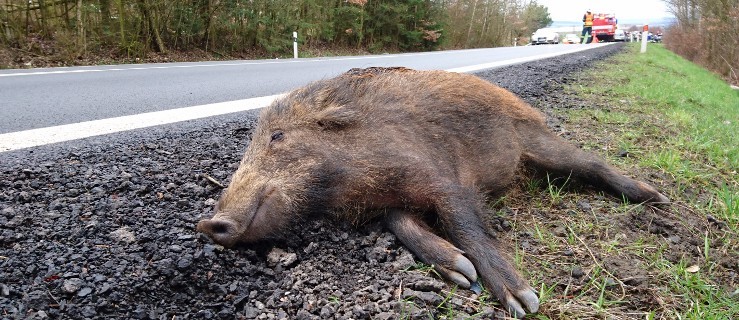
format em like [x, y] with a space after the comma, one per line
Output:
[483, 31]
[28, 18]
[360, 32]
[153, 27]
[80, 28]
[67, 19]
[153, 22]
[208, 15]
[472, 22]
[121, 23]
[44, 17]
[105, 17]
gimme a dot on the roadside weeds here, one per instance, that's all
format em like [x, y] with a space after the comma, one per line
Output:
[595, 256]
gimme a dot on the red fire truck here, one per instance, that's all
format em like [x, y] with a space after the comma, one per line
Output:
[604, 26]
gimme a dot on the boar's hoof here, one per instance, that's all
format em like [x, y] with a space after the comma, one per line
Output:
[221, 231]
[462, 273]
[528, 298]
[661, 199]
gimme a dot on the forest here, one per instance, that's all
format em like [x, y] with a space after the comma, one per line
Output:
[64, 32]
[707, 33]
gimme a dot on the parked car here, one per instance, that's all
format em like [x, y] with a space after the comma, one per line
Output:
[572, 38]
[544, 36]
[619, 35]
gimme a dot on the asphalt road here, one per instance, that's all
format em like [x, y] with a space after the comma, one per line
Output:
[40, 98]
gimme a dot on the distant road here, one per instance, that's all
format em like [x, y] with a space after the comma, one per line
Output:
[41, 98]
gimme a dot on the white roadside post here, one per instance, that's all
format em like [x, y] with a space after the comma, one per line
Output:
[644, 36]
[295, 44]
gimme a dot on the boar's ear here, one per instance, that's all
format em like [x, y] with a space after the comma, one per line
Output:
[334, 109]
[336, 117]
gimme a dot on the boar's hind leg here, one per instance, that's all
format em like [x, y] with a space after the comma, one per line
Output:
[430, 248]
[546, 151]
[460, 211]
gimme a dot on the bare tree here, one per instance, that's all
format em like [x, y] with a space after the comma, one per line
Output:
[706, 33]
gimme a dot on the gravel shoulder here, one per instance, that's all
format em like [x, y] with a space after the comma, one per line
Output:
[105, 228]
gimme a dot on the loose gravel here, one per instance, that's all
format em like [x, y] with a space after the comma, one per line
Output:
[105, 228]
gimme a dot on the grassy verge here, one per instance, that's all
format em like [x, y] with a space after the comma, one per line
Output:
[662, 120]
[680, 118]
[676, 126]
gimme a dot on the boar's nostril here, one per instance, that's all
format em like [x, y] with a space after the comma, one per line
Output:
[221, 231]
[220, 227]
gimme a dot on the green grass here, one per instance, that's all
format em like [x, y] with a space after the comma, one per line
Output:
[695, 115]
[701, 114]
[556, 189]
[682, 122]
[679, 126]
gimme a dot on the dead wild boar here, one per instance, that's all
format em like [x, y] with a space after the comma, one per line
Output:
[407, 146]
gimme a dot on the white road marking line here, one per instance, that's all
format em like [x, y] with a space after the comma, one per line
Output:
[43, 136]
[496, 64]
[225, 64]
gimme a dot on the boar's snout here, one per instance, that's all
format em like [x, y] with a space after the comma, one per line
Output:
[222, 231]
[241, 218]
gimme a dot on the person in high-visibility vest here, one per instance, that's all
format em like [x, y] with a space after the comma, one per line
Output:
[587, 28]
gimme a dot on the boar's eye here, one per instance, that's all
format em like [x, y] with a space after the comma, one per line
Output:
[277, 136]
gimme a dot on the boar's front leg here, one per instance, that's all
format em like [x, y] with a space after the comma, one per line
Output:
[430, 248]
[460, 210]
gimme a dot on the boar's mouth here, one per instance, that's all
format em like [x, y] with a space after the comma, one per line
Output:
[227, 227]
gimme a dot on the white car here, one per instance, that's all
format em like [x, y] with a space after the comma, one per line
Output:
[619, 35]
[572, 38]
[544, 36]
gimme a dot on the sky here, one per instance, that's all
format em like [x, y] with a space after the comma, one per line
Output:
[631, 10]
